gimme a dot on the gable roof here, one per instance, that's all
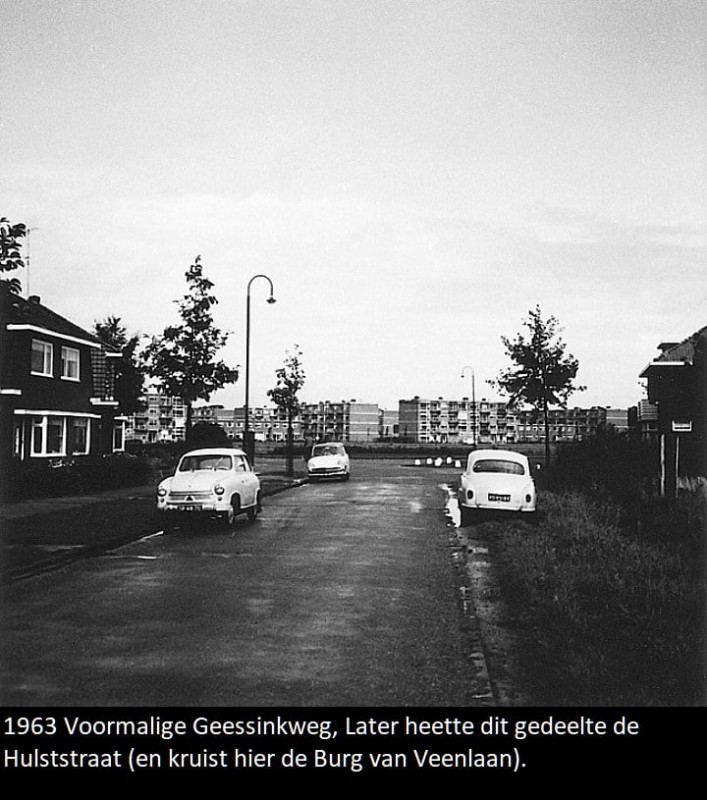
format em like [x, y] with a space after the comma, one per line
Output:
[18, 311]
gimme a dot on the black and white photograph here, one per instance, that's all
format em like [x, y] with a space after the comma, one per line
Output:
[353, 355]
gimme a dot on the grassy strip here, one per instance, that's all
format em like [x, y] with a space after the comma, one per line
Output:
[613, 611]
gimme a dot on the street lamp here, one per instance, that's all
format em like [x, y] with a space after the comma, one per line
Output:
[249, 446]
[473, 404]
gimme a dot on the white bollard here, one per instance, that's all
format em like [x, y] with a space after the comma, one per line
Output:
[457, 463]
[449, 459]
[417, 462]
[438, 462]
[429, 462]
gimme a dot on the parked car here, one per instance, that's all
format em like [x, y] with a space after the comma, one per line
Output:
[328, 460]
[497, 480]
[212, 483]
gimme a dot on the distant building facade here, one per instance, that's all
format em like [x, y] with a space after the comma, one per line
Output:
[346, 421]
[466, 421]
[163, 418]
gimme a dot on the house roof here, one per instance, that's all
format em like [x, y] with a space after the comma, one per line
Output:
[676, 354]
[20, 311]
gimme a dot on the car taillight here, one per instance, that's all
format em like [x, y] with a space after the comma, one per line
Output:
[469, 494]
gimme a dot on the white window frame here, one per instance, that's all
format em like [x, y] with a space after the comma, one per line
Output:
[69, 356]
[48, 350]
[87, 447]
[43, 428]
[119, 428]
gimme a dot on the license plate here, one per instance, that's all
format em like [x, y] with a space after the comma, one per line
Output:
[186, 508]
[499, 498]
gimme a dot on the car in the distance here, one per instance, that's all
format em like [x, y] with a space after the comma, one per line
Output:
[496, 480]
[211, 483]
[328, 460]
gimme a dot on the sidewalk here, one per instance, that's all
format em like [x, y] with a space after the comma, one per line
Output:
[43, 534]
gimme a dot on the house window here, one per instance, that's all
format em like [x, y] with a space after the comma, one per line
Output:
[79, 430]
[118, 437]
[70, 363]
[42, 356]
[48, 436]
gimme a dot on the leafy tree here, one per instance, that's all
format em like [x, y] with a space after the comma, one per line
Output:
[129, 373]
[542, 375]
[290, 379]
[207, 434]
[182, 360]
[10, 257]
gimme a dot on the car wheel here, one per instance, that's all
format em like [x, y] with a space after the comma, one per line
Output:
[252, 512]
[168, 526]
[347, 475]
[230, 516]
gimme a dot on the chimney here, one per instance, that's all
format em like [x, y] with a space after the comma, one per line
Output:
[34, 298]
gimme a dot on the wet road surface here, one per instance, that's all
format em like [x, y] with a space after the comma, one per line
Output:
[339, 594]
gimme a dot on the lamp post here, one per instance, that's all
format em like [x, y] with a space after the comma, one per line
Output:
[248, 441]
[473, 404]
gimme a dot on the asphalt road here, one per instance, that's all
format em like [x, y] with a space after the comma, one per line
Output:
[342, 594]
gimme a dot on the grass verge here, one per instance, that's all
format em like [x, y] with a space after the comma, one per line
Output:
[613, 611]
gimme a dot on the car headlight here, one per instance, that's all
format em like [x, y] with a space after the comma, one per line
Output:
[161, 492]
[219, 489]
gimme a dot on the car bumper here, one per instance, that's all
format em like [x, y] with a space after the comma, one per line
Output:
[513, 504]
[327, 472]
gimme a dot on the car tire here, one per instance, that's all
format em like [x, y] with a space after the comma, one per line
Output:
[168, 526]
[347, 475]
[229, 516]
[252, 512]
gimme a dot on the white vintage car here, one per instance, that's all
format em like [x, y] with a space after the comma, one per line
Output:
[496, 480]
[213, 483]
[328, 460]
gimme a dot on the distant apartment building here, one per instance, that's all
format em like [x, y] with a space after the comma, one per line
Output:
[491, 422]
[163, 419]
[347, 421]
[453, 421]
[216, 415]
[388, 423]
[269, 424]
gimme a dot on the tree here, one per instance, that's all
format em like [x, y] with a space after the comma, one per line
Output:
[10, 257]
[207, 434]
[543, 375]
[290, 379]
[182, 360]
[129, 374]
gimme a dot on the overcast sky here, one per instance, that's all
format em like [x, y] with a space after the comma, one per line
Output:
[413, 176]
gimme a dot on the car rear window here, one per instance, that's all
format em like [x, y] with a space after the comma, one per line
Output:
[498, 465]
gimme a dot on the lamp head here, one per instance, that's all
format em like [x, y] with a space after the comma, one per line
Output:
[271, 300]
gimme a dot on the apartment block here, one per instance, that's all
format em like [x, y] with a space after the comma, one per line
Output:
[163, 419]
[347, 421]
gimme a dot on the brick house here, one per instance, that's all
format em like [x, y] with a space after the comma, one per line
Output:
[677, 386]
[56, 387]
